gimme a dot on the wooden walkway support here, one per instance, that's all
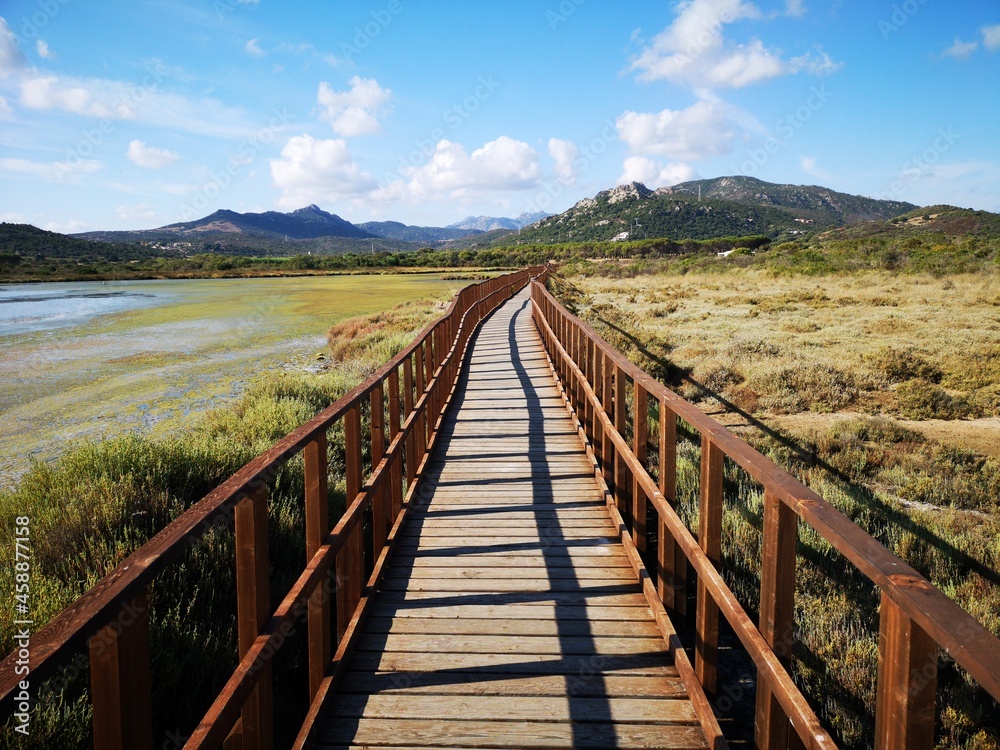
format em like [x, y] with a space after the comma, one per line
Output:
[509, 614]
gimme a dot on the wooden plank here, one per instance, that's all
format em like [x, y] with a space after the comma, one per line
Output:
[516, 708]
[497, 626]
[527, 664]
[473, 733]
[534, 611]
[486, 683]
[491, 573]
[511, 644]
[352, 576]
[120, 683]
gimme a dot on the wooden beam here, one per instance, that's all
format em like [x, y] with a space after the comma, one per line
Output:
[710, 540]
[120, 684]
[640, 444]
[671, 573]
[317, 527]
[907, 682]
[772, 730]
[253, 601]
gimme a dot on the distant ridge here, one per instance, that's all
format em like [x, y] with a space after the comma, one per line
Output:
[491, 223]
[707, 209]
[306, 223]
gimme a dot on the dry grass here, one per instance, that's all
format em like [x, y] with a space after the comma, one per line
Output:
[838, 360]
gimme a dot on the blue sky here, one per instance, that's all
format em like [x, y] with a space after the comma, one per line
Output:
[125, 115]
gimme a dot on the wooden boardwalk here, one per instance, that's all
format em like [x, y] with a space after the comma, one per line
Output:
[509, 614]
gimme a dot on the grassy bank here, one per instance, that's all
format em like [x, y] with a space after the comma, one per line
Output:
[818, 372]
[97, 503]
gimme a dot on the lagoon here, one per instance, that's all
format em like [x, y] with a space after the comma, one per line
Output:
[85, 360]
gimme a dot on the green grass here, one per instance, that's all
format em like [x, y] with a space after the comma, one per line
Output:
[102, 500]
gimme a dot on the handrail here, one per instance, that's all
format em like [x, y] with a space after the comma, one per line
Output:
[112, 618]
[916, 617]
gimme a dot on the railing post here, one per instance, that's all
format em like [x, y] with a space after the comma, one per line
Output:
[355, 549]
[253, 599]
[710, 539]
[317, 527]
[907, 682]
[622, 487]
[379, 513]
[607, 399]
[120, 684]
[640, 435]
[396, 474]
[421, 421]
[411, 437]
[777, 610]
[671, 574]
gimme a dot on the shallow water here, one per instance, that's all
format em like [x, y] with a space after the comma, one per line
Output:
[37, 307]
[86, 360]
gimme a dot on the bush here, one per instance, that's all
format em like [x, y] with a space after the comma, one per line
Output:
[916, 399]
[900, 365]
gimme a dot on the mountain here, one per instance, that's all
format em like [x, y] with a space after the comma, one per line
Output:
[727, 206]
[820, 204]
[491, 223]
[306, 223]
[28, 241]
[423, 235]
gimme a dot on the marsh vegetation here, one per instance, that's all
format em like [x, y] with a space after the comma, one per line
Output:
[879, 390]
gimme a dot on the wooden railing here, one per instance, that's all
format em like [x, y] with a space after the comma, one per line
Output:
[915, 617]
[112, 619]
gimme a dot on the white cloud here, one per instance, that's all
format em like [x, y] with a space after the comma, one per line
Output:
[5, 109]
[57, 170]
[706, 128]
[67, 227]
[653, 174]
[49, 92]
[44, 51]
[137, 212]
[694, 51]
[991, 37]
[145, 103]
[11, 59]
[253, 49]
[503, 164]
[354, 112]
[318, 171]
[960, 50]
[565, 154]
[810, 165]
[795, 8]
[150, 157]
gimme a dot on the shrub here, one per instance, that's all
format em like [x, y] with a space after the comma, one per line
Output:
[900, 365]
[916, 399]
